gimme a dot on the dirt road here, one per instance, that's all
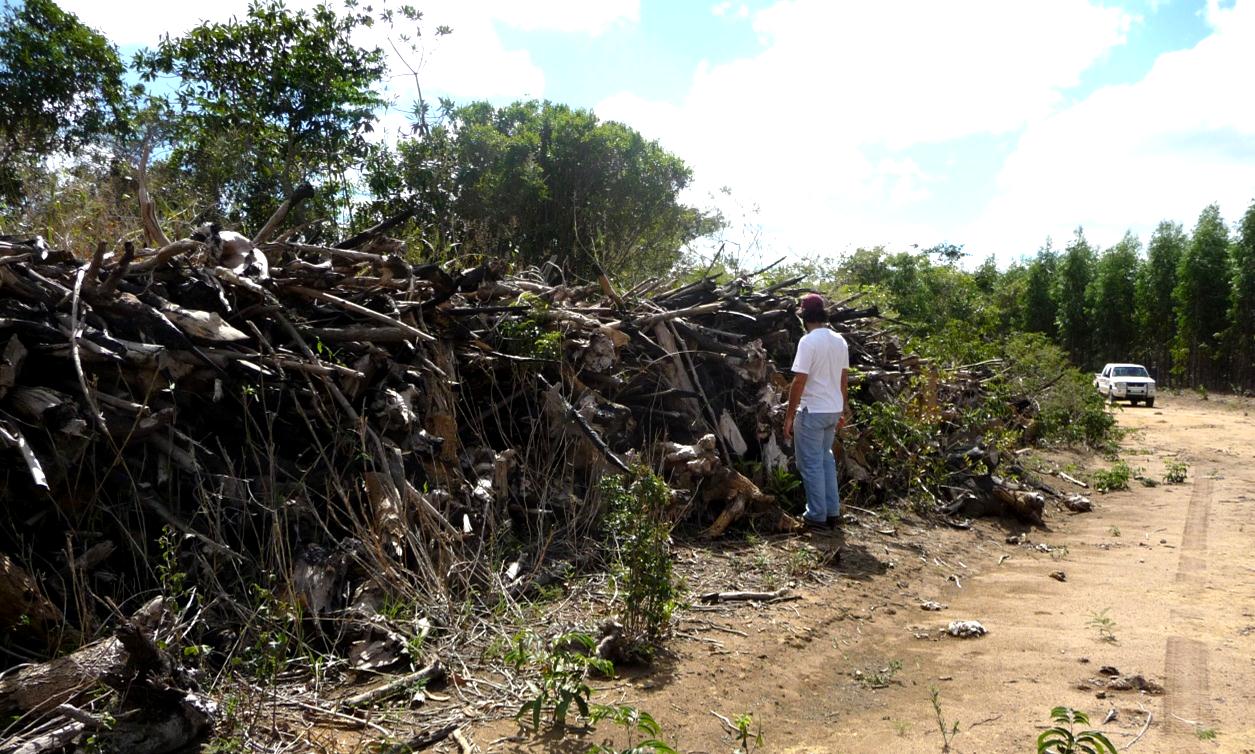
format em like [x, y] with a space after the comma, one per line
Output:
[1159, 582]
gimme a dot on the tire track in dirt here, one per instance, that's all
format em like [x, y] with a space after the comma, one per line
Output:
[1187, 699]
[1193, 559]
[1195, 535]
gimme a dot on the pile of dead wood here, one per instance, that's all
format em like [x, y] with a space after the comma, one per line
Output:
[340, 425]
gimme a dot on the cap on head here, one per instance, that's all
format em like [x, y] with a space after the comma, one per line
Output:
[812, 308]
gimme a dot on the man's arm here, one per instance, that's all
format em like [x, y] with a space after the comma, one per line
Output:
[795, 397]
[845, 397]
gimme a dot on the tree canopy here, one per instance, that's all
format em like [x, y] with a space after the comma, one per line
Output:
[60, 88]
[263, 103]
[535, 180]
[1071, 284]
[1201, 274]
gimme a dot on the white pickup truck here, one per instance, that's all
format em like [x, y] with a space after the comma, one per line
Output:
[1126, 382]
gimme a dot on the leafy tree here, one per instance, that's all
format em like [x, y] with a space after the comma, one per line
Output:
[1241, 333]
[1040, 309]
[1201, 298]
[1072, 279]
[1156, 281]
[867, 267]
[1112, 297]
[986, 277]
[1008, 293]
[923, 292]
[538, 180]
[268, 101]
[60, 88]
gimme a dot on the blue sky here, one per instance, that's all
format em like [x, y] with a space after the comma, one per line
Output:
[834, 124]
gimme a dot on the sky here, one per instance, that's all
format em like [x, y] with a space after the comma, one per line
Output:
[821, 126]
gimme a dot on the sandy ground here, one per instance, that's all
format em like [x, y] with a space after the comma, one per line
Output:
[850, 667]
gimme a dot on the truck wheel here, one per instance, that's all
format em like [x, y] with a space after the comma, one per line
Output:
[1150, 403]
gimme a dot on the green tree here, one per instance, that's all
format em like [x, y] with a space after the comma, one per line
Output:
[1040, 310]
[538, 180]
[1072, 279]
[268, 101]
[1201, 297]
[1241, 332]
[1156, 281]
[1112, 300]
[60, 88]
[924, 292]
[1009, 294]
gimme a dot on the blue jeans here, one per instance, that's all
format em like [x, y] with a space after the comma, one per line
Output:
[813, 435]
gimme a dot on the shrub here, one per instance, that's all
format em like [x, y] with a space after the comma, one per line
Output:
[1175, 471]
[640, 534]
[1071, 410]
[1115, 478]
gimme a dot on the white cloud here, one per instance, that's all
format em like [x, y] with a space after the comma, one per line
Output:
[729, 9]
[802, 128]
[1129, 156]
[572, 16]
[143, 22]
[470, 63]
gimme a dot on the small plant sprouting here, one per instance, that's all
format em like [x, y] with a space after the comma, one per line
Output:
[802, 562]
[637, 723]
[1206, 734]
[785, 486]
[1175, 471]
[1103, 623]
[564, 667]
[881, 678]
[1114, 531]
[948, 730]
[173, 580]
[1062, 738]
[747, 739]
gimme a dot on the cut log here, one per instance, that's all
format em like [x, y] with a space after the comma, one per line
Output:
[395, 686]
[24, 610]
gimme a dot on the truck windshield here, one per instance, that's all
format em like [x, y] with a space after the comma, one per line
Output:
[1129, 372]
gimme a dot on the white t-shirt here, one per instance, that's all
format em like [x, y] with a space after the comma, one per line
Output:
[822, 356]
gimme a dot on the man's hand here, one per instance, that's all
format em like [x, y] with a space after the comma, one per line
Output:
[841, 421]
[788, 428]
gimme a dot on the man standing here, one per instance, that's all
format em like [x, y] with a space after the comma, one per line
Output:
[817, 400]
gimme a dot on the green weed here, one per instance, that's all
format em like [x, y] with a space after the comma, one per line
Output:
[747, 739]
[1115, 478]
[1175, 471]
[173, 579]
[1103, 624]
[802, 562]
[637, 723]
[948, 729]
[880, 678]
[564, 667]
[1062, 738]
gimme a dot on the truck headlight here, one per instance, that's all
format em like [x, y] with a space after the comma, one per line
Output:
[1121, 386]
